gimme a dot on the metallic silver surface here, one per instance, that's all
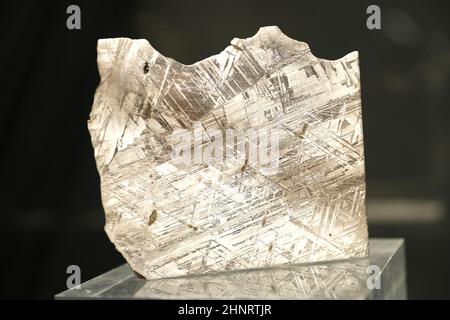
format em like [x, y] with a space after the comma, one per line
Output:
[170, 219]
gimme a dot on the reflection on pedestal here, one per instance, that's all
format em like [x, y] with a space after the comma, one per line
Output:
[351, 279]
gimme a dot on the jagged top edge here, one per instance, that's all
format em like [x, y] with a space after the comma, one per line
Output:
[278, 36]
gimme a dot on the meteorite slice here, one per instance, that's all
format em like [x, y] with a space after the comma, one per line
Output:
[172, 211]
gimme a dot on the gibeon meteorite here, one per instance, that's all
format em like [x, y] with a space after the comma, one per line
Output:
[250, 158]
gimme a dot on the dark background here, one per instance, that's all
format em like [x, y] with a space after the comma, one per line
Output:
[51, 213]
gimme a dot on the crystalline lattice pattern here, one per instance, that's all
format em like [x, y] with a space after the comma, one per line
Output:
[313, 209]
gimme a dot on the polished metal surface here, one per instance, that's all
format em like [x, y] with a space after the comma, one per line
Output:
[232, 211]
